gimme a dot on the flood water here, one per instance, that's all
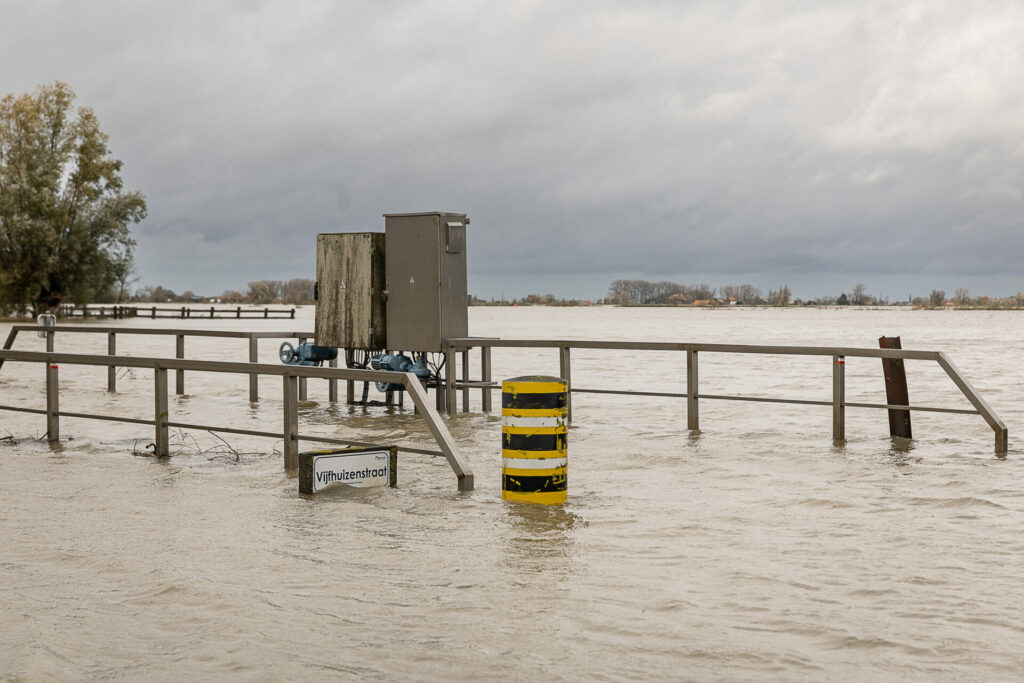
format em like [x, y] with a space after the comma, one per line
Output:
[756, 549]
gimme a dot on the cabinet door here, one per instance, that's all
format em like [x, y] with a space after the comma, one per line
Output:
[350, 280]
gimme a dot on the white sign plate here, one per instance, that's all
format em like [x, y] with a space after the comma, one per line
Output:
[363, 470]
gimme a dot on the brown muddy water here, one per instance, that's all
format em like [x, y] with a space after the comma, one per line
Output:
[753, 550]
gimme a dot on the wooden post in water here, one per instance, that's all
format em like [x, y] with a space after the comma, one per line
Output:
[896, 389]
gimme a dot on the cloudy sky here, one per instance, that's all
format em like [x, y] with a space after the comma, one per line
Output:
[818, 144]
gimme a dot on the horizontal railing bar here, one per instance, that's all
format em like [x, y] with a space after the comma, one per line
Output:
[622, 392]
[226, 430]
[35, 411]
[907, 354]
[248, 432]
[755, 399]
[162, 331]
[923, 409]
[111, 418]
[231, 367]
[759, 399]
[343, 442]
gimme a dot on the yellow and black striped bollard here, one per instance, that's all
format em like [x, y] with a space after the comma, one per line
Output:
[534, 453]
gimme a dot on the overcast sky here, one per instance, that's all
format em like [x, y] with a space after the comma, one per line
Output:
[818, 144]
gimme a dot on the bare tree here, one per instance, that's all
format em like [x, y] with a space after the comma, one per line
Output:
[858, 296]
[937, 297]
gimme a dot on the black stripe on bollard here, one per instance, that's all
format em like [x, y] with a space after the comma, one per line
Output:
[534, 442]
[533, 401]
[544, 484]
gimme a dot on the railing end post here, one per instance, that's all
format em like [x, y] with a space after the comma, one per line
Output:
[1002, 441]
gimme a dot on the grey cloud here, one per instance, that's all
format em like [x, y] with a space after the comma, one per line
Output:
[733, 140]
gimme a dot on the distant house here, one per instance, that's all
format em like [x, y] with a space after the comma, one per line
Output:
[702, 302]
[732, 301]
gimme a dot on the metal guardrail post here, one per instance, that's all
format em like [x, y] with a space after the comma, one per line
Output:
[350, 386]
[302, 383]
[465, 378]
[254, 378]
[485, 375]
[161, 416]
[179, 352]
[52, 402]
[838, 399]
[692, 407]
[449, 380]
[291, 423]
[332, 384]
[565, 368]
[50, 335]
[112, 370]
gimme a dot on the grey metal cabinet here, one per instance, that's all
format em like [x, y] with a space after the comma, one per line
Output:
[426, 279]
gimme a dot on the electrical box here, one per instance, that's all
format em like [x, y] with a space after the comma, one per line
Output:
[351, 304]
[426, 279]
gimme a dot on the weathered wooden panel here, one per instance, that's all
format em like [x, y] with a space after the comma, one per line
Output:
[350, 308]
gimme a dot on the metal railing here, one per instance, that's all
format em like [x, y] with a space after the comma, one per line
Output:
[447, 395]
[838, 354]
[179, 335]
[290, 374]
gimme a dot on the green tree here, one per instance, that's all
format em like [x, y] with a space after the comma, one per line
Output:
[64, 214]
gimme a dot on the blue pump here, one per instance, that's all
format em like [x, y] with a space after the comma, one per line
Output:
[306, 354]
[397, 362]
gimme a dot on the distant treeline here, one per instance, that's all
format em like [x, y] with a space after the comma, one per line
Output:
[642, 292]
[296, 291]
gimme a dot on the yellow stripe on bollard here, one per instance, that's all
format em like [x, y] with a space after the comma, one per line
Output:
[533, 438]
